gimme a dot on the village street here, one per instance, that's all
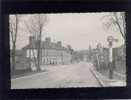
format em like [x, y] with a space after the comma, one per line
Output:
[60, 76]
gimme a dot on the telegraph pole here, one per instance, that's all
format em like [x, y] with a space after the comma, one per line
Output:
[110, 40]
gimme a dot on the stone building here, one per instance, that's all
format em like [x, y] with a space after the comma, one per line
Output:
[21, 62]
[51, 53]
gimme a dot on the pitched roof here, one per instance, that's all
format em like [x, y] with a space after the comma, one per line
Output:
[45, 45]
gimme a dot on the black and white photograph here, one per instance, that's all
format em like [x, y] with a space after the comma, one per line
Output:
[65, 50]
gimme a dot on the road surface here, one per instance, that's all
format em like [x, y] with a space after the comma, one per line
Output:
[62, 76]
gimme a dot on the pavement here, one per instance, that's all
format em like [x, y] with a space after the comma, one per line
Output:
[61, 76]
[106, 82]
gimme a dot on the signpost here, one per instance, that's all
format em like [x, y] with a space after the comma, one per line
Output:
[110, 40]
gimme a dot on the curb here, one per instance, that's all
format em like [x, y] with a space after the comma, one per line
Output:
[105, 82]
[119, 74]
[98, 79]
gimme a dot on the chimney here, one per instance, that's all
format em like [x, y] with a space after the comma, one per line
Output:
[31, 39]
[59, 43]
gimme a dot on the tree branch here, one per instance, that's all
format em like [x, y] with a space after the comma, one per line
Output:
[118, 24]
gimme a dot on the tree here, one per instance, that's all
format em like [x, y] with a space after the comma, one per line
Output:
[90, 53]
[116, 20]
[13, 24]
[35, 27]
[71, 51]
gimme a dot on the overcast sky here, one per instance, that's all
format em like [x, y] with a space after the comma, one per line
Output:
[77, 29]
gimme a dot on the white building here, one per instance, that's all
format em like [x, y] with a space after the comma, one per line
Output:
[51, 53]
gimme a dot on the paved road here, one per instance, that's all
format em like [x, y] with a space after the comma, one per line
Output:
[73, 75]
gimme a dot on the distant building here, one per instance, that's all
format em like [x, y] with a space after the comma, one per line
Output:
[82, 55]
[50, 52]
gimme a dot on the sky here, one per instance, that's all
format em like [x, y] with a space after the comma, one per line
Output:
[80, 30]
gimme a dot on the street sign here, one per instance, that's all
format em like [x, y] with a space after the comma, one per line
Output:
[110, 38]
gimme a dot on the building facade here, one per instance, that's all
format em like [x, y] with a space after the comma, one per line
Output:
[21, 62]
[50, 53]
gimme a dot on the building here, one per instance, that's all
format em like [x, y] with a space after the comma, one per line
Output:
[21, 62]
[50, 53]
[81, 55]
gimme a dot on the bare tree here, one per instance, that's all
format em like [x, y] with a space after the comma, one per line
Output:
[116, 20]
[71, 51]
[35, 27]
[13, 24]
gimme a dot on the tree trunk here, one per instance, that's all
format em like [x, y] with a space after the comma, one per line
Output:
[13, 58]
[39, 45]
[35, 59]
[38, 55]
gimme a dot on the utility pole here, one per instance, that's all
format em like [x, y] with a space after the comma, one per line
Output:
[97, 60]
[110, 40]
